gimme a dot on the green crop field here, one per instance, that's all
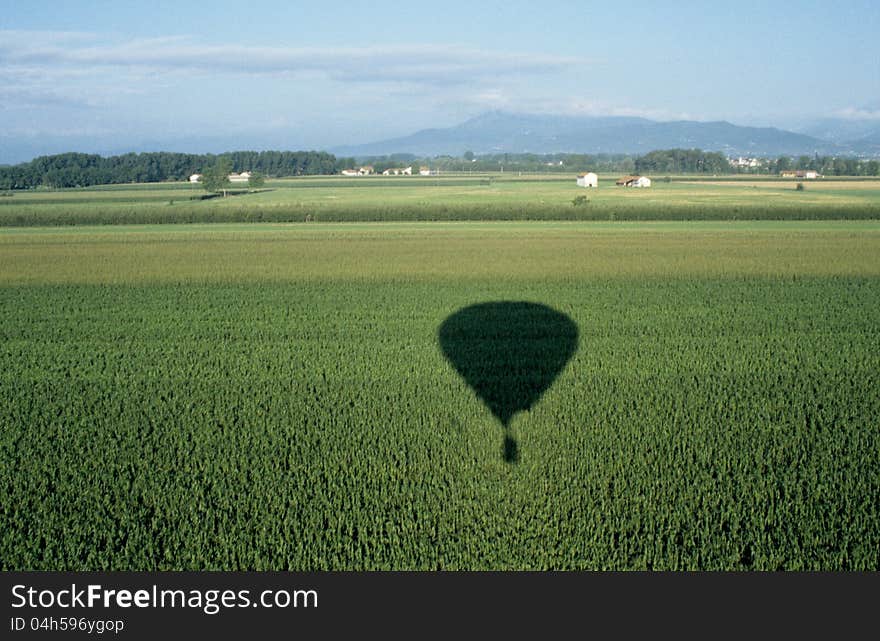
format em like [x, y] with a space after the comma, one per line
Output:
[456, 395]
[449, 198]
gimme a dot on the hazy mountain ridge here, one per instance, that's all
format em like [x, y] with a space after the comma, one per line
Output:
[869, 145]
[501, 132]
[842, 130]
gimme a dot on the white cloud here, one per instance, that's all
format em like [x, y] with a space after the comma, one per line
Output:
[497, 98]
[12, 97]
[419, 64]
[599, 108]
[852, 113]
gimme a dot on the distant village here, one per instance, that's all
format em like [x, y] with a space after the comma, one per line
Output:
[369, 170]
[590, 179]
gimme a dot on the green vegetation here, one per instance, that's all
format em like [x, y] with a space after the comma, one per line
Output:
[84, 170]
[216, 177]
[447, 198]
[683, 161]
[277, 397]
[256, 180]
[662, 161]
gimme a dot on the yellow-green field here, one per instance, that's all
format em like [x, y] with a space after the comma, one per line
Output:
[454, 197]
[371, 252]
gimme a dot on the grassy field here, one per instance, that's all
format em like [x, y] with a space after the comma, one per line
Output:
[236, 396]
[381, 252]
[455, 197]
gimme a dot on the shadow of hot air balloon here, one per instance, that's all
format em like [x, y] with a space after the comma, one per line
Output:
[509, 353]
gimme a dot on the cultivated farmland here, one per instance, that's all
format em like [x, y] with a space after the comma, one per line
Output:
[295, 396]
[448, 198]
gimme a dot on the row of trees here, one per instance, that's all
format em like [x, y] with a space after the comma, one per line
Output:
[216, 177]
[826, 165]
[683, 161]
[525, 162]
[663, 161]
[83, 170]
[666, 161]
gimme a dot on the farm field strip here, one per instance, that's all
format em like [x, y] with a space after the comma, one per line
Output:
[822, 184]
[413, 252]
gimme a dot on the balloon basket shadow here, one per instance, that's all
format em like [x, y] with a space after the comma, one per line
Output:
[510, 452]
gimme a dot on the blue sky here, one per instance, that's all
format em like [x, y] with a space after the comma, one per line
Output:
[306, 75]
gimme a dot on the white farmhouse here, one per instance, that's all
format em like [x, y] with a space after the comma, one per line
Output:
[588, 179]
[398, 171]
[243, 177]
[634, 181]
[195, 178]
[747, 163]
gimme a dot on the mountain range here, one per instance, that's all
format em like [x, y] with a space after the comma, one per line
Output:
[502, 132]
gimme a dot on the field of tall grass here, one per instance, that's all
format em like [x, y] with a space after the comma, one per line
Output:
[300, 397]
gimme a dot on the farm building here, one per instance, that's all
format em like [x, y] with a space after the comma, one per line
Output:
[588, 179]
[747, 163]
[243, 177]
[634, 181]
[398, 171]
[366, 170]
[809, 174]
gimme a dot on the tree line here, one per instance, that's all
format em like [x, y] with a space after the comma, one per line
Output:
[84, 170]
[683, 161]
[659, 162]
[695, 161]
[827, 165]
[503, 162]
